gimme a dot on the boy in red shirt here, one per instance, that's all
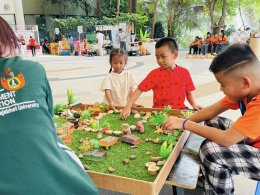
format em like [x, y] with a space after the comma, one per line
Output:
[237, 149]
[170, 83]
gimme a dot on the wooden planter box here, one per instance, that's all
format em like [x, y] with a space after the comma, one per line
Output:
[139, 187]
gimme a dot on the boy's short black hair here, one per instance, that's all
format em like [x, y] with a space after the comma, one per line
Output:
[234, 56]
[167, 41]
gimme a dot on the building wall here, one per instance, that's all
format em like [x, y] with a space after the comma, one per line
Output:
[41, 7]
[7, 11]
[12, 11]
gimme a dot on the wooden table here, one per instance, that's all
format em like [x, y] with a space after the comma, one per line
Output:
[185, 172]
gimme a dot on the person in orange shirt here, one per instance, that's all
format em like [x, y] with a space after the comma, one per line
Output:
[142, 49]
[195, 45]
[206, 47]
[32, 44]
[235, 149]
[22, 41]
[214, 42]
[222, 42]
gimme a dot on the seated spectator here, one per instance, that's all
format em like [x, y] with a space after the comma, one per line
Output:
[108, 45]
[46, 46]
[22, 41]
[222, 42]
[206, 47]
[83, 47]
[195, 45]
[142, 49]
[214, 43]
[133, 50]
[200, 45]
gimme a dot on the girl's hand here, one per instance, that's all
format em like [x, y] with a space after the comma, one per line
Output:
[125, 113]
[197, 107]
[172, 123]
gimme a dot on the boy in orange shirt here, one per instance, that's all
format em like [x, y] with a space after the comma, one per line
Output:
[237, 149]
[195, 45]
[222, 42]
[214, 43]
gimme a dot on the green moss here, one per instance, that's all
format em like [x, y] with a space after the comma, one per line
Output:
[59, 122]
[117, 153]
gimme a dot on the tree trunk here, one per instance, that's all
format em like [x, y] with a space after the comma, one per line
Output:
[134, 5]
[99, 9]
[215, 27]
[118, 8]
[154, 18]
[85, 5]
[130, 6]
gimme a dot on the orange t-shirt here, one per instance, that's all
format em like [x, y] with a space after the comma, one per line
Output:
[222, 39]
[207, 40]
[196, 42]
[32, 42]
[214, 40]
[249, 123]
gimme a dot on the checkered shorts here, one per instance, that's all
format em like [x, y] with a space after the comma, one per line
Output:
[219, 164]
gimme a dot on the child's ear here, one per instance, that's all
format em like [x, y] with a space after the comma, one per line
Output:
[175, 55]
[247, 83]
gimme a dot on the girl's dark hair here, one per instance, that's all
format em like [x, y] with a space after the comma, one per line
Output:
[167, 41]
[223, 33]
[8, 40]
[115, 52]
[208, 33]
[234, 56]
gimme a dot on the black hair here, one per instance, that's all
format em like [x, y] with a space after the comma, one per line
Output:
[236, 55]
[197, 37]
[170, 42]
[208, 33]
[115, 52]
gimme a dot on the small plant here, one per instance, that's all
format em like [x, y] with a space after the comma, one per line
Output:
[166, 150]
[58, 108]
[85, 115]
[144, 36]
[70, 97]
[158, 118]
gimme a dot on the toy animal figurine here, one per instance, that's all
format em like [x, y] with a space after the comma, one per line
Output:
[140, 127]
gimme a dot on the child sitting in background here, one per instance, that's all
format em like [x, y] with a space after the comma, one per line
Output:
[171, 84]
[118, 85]
[142, 49]
[195, 45]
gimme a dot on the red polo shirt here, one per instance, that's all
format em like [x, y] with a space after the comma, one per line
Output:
[169, 86]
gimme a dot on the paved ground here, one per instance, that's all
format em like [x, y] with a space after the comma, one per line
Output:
[84, 75]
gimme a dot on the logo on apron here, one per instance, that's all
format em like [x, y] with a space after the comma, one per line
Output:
[15, 82]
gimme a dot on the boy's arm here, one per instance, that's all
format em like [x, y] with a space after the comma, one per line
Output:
[208, 113]
[127, 109]
[109, 98]
[191, 100]
[224, 138]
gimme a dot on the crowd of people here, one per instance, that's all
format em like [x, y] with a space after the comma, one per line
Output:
[38, 156]
[211, 44]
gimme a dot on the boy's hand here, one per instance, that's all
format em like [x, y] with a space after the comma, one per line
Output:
[125, 113]
[197, 107]
[172, 123]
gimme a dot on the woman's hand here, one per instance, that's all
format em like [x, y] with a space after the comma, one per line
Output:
[172, 123]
